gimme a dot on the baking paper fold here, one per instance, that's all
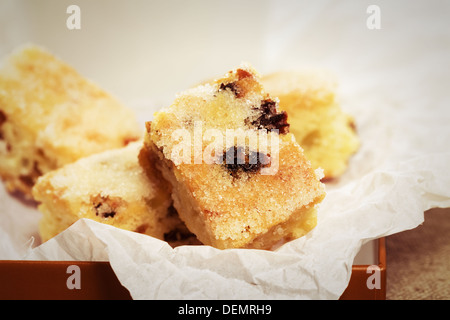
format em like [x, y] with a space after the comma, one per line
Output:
[317, 266]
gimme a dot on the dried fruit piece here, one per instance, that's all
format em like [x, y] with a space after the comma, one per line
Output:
[240, 159]
[271, 119]
[106, 206]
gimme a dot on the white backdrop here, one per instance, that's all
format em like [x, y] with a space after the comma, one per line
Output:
[143, 49]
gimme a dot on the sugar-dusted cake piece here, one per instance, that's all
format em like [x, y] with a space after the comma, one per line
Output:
[326, 133]
[239, 178]
[50, 116]
[110, 187]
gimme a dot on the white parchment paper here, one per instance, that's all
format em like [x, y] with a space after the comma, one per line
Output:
[394, 81]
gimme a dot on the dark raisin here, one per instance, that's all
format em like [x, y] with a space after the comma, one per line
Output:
[233, 87]
[104, 210]
[239, 159]
[276, 121]
[238, 87]
[2, 121]
[269, 107]
[270, 118]
[106, 207]
[2, 117]
[109, 214]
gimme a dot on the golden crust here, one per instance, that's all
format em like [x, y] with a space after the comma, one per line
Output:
[224, 209]
[109, 187]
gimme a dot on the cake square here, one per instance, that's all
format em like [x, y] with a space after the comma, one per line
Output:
[113, 188]
[326, 133]
[239, 179]
[50, 116]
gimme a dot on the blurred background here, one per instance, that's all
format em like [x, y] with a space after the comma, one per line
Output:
[144, 52]
[141, 50]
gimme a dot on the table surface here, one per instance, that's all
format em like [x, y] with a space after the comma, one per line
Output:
[418, 260]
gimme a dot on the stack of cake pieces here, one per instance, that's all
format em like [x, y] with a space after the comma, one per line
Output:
[238, 177]
[218, 167]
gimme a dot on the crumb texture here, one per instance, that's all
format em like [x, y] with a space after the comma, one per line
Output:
[110, 187]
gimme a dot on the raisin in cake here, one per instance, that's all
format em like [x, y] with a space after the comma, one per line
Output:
[252, 190]
[325, 132]
[112, 188]
[50, 116]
